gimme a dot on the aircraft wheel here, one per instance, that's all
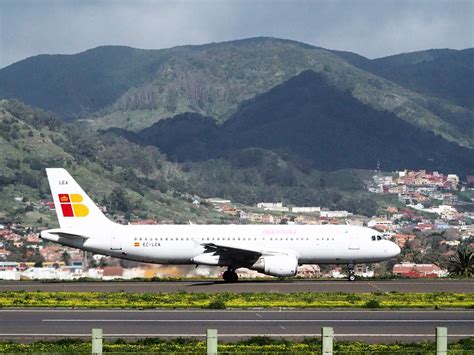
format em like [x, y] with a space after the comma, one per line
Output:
[352, 277]
[230, 276]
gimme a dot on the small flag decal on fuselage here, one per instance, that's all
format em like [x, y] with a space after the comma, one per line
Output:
[71, 205]
[137, 244]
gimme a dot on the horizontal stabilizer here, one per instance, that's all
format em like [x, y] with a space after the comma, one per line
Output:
[54, 234]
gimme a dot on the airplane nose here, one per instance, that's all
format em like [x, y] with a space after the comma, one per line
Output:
[395, 250]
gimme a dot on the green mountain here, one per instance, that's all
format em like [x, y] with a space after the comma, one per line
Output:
[309, 119]
[133, 88]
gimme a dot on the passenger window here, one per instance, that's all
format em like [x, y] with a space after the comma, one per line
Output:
[373, 237]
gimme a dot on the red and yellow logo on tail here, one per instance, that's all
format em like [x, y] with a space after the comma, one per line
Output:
[71, 205]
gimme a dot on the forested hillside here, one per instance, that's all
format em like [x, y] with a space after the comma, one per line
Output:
[131, 179]
[117, 174]
[311, 120]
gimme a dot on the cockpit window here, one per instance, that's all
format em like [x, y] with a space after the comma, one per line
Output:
[373, 237]
[379, 237]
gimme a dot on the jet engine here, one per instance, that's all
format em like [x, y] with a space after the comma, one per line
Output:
[276, 265]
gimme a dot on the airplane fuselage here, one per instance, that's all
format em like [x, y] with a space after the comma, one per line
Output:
[182, 244]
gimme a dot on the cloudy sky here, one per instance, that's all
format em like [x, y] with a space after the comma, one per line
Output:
[373, 28]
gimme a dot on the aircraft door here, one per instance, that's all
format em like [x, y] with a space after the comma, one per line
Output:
[115, 243]
[354, 242]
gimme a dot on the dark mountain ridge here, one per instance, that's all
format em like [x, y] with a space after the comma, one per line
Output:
[309, 118]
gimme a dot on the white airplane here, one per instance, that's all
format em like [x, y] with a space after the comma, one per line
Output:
[274, 250]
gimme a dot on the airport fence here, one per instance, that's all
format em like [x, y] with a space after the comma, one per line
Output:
[327, 345]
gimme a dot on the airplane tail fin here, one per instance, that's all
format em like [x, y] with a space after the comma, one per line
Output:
[73, 207]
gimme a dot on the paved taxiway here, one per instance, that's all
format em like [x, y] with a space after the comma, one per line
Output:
[375, 326]
[283, 286]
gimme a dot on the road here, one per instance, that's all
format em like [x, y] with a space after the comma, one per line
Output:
[371, 326]
[283, 286]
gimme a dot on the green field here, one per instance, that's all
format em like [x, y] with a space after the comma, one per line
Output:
[234, 300]
[257, 345]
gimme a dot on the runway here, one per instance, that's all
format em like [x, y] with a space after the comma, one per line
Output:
[370, 326]
[280, 286]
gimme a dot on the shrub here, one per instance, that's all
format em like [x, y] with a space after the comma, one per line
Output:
[216, 304]
[352, 298]
[372, 304]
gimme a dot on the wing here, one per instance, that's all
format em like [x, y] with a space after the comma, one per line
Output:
[233, 255]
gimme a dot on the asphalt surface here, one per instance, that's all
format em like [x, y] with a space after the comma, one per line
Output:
[283, 286]
[371, 326]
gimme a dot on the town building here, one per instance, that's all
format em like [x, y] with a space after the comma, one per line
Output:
[402, 239]
[334, 214]
[419, 270]
[275, 207]
[306, 209]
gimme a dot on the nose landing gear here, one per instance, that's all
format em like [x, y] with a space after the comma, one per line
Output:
[230, 276]
[352, 277]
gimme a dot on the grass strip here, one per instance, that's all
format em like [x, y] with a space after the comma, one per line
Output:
[40, 299]
[255, 345]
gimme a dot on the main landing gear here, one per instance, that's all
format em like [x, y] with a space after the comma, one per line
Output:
[352, 276]
[230, 275]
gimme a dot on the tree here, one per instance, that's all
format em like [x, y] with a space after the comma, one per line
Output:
[462, 263]
[37, 258]
[119, 200]
[66, 258]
